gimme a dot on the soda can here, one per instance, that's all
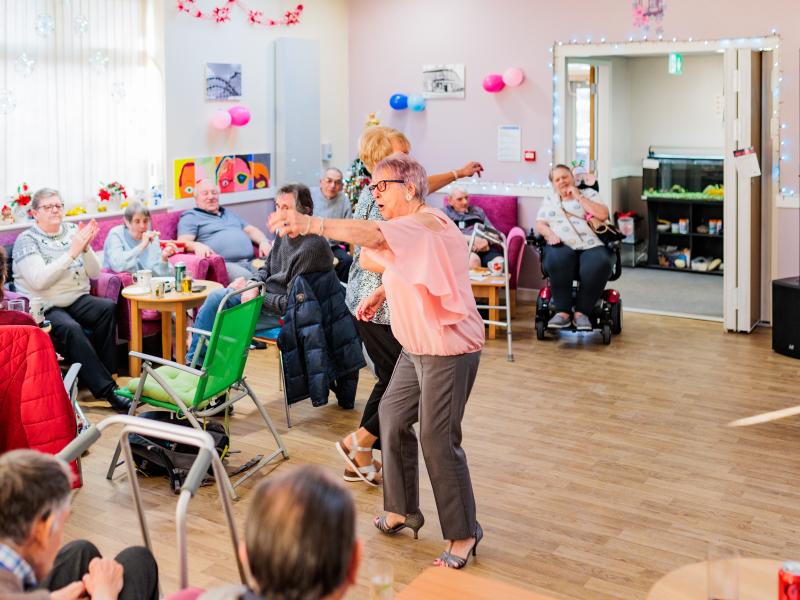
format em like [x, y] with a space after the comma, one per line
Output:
[180, 272]
[789, 581]
[36, 309]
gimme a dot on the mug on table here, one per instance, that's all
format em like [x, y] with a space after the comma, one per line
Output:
[143, 278]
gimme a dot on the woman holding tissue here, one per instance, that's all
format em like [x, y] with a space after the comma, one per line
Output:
[54, 260]
[134, 246]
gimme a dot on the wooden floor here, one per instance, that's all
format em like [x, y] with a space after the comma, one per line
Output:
[597, 469]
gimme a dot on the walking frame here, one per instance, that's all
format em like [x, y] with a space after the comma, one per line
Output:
[493, 236]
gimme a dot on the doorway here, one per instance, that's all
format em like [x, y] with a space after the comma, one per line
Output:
[660, 139]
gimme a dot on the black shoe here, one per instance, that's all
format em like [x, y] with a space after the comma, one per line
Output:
[121, 404]
[257, 344]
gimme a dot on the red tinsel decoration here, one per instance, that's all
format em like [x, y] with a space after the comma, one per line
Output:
[222, 13]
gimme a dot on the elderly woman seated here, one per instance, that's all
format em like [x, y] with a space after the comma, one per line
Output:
[288, 258]
[466, 217]
[573, 247]
[134, 246]
[53, 261]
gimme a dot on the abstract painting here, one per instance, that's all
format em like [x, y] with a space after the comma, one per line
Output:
[225, 174]
[243, 173]
[184, 178]
[261, 163]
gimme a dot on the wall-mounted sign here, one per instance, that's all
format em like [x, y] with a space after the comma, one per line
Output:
[675, 64]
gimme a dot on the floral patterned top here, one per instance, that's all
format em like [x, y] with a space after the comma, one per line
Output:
[361, 284]
[567, 220]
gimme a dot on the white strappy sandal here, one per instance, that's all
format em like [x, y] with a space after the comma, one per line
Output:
[368, 473]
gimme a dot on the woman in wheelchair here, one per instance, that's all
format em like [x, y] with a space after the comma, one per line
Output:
[573, 250]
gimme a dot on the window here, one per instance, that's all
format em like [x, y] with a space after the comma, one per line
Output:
[86, 96]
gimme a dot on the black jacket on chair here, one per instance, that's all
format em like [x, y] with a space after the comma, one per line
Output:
[320, 345]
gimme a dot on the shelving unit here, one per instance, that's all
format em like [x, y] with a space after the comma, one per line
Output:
[699, 212]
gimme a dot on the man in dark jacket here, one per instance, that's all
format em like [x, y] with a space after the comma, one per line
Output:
[288, 258]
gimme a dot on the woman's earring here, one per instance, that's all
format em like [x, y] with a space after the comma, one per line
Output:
[408, 197]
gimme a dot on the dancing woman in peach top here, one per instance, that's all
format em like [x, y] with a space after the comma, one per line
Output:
[426, 284]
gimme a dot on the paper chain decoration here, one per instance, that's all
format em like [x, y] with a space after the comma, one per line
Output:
[222, 13]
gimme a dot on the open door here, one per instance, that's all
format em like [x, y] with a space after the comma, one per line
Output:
[742, 211]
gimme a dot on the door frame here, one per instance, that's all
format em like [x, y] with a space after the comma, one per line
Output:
[565, 50]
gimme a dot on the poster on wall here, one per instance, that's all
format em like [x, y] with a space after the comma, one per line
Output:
[443, 81]
[232, 173]
[261, 164]
[223, 81]
[184, 177]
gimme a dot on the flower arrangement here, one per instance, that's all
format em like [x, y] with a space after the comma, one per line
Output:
[23, 197]
[111, 190]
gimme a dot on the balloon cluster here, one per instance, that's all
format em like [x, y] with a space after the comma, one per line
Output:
[237, 116]
[402, 102]
[511, 77]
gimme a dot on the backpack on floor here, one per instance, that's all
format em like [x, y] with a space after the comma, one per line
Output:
[155, 457]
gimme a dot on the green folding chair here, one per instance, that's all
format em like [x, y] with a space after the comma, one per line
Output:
[188, 390]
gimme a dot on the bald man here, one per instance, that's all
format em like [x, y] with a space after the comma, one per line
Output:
[209, 228]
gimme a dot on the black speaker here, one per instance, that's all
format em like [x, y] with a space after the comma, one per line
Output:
[786, 316]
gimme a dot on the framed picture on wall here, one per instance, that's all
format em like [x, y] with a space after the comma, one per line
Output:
[443, 81]
[223, 81]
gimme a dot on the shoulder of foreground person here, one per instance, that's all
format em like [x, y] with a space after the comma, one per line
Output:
[11, 589]
[227, 592]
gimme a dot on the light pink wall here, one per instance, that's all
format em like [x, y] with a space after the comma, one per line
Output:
[390, 41]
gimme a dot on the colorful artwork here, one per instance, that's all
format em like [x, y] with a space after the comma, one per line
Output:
[205, 168]
[184, 178]
[225, 174]
[261, 163]
[243, 172]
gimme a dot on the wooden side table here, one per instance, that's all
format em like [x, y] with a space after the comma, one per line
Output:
[758, 579]
[489, 287]
[438, 583]
[176, 303]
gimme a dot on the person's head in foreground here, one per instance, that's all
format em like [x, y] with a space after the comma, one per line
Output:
[300, 538]
[399, 186]
[206, 196]
[34, 506]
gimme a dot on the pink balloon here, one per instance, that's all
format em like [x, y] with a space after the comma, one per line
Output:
[221, 119]
[493, 83]
[513, 76]
[240, 116]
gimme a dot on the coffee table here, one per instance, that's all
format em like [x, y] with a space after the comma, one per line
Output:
[489, 287]
[758, 579]
[438, 583]
[176, 303]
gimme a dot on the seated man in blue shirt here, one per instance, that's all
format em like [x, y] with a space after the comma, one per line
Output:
[209, 228]
[331, 203]
[466, 217]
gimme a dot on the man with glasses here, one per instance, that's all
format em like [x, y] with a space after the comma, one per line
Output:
[209, 228]
[53, 261]
[331, 203]
[34, 508]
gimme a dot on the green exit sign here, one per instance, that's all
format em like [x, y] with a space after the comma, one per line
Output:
[675, 64]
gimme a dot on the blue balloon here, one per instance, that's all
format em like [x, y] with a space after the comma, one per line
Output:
[416, 103]
[398, 101]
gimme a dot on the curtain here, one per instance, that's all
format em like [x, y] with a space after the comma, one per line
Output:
[81, 96]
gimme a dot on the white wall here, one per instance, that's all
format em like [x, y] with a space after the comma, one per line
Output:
[190, 43]
[621, 118]
[674, 110]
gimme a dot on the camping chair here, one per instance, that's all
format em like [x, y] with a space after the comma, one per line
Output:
[206, 458]
[270, 337]
[493, 236]
[188, 390]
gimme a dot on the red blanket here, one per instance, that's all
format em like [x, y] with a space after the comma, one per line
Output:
[35, 411]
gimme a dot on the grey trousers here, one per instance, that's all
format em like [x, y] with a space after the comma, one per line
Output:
[239, 268]
[434, 391]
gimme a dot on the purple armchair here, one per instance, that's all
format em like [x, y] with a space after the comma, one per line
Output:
[502, 212]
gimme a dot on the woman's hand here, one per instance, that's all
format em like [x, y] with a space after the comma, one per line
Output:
[552, 238]
[287, 221]
[83, 238]
[470, 169]
[368, 307]
[167, 251]
[104, 579]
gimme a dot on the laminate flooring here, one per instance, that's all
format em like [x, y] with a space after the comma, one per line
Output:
[597, 469]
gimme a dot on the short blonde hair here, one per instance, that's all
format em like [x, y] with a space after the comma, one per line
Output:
[376, 144]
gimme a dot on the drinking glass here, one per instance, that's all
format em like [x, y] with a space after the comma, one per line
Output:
[18, 305]
[723, 572]
[381, 581]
